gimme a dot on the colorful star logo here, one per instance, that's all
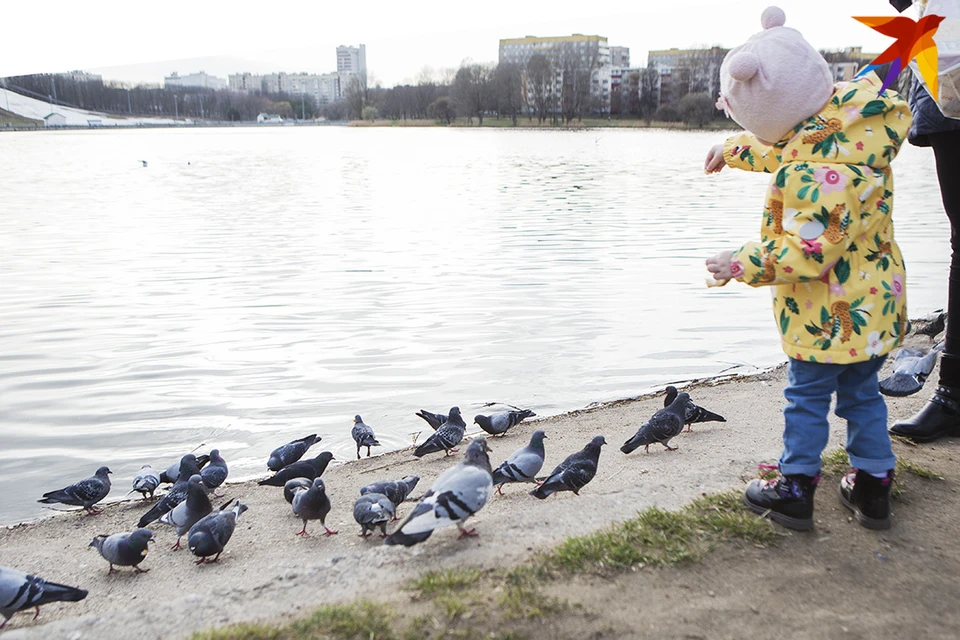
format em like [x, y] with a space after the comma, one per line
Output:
[914, 41]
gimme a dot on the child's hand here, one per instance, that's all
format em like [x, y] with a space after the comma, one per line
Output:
[714, 162]
[719, 266]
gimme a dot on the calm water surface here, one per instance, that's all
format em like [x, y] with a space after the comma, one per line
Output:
[251, 286]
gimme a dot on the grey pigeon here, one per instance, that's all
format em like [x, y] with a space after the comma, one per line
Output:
[146, 481]
[497, 424]
[446, 437]
[433, 419]
[295, 485]
[211, 534]
[662, 426]
[523, 464]
[85, 493]
[20, 591]
[932, 325]
[309, 469]
[573, 473]
[456, 495]
[694, 413]
[372, 510]
[313, 504]
[215, 473]
[124, 549]
[396, 490]
[289, 453]
[177, 493]
[188, 513]
[911, 367]
[172, 473]
[363, 435]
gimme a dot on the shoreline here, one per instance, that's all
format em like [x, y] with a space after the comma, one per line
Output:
[267, 573]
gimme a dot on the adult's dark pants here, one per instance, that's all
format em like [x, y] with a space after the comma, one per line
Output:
[946, 149]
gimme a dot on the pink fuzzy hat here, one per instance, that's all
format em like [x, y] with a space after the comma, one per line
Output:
[775, 80]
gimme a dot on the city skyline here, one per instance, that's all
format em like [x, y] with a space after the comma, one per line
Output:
[399, 47]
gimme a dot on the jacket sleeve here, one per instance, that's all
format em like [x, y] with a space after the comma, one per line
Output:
[744, 151]
[808, 240]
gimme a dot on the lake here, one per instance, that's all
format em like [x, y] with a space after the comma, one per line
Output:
[251, 286]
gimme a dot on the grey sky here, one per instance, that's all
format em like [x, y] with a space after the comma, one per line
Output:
[401, 39]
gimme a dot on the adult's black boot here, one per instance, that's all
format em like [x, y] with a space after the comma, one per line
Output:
[939, 417]
[787, 500]
[867, 497]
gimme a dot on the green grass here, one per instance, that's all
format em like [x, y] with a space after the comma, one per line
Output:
[434, 583]
[659, 537]
[361, 620]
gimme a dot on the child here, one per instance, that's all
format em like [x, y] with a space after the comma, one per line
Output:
[827, 247]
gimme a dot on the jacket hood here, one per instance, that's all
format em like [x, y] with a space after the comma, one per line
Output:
[857, 126]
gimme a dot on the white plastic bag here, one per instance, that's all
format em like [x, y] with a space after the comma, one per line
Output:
[947, 39]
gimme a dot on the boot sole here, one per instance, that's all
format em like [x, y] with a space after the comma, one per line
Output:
[797, 524]
[870, 523]
[922, 439]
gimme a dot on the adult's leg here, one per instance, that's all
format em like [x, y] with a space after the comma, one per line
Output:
[941, 416]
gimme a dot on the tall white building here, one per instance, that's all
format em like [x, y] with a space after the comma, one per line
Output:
[245, 82]
[201, 79]
[352, 59]
[592, 52]
[321, 89]
[620, 57]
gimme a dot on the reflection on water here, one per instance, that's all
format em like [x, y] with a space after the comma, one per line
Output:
[253, 286]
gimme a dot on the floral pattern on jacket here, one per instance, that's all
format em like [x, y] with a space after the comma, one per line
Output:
[827, 241]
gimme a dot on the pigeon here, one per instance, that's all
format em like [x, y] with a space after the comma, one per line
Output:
[433, 419]
[497, 424]
[456, 495]
[172, 473]
[211, 534]
[911, 367]
[694, 413]
[363, 435]
[396, 490]
[309, 469]
[523, 464]
[177, 493]
[294, 486]
[661, 427]
[188, 513]
[372, 510]
[313, 504]
[573, 473]
[446, 437]
[124, 549]
[20, 591]
[85, 493]
[215, 473]
[146, 482]
[289, 453]
[932, 324]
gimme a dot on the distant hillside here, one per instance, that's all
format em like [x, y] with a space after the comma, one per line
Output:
[8, 119]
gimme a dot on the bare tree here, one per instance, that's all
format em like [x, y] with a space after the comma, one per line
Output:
[648, 93]
[540, 78]
[356, 94]
[472, 89]
[508, 89]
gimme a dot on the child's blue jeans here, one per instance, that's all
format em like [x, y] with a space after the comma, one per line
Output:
[859, 402]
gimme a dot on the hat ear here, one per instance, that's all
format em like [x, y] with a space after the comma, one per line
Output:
[744, 65]
[773, 17]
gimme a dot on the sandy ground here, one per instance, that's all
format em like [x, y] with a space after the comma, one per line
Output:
[840, 580]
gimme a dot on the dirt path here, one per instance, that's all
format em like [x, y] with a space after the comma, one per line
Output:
[840, 580]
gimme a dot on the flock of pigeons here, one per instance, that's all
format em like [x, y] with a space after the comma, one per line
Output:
[455, 495]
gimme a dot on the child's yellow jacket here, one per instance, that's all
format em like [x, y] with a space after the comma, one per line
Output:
[827, 234]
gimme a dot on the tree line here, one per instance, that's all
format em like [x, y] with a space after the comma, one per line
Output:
[553, 90]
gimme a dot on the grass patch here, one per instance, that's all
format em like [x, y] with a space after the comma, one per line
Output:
[435, 583]
[8, 118]
[361, 620]
[659, 537]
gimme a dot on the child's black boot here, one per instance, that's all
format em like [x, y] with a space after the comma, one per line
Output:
[868, 497]
[785, 499]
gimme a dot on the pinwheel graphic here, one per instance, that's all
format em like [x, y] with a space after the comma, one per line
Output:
[914, 40]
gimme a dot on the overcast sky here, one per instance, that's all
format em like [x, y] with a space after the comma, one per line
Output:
[401, 38]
